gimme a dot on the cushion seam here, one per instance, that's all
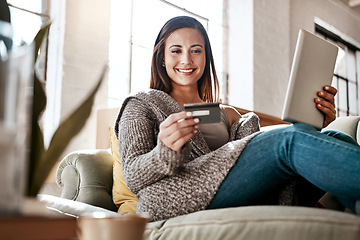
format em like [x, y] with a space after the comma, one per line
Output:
[287, 220]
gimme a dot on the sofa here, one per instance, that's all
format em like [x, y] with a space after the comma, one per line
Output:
[86, 180]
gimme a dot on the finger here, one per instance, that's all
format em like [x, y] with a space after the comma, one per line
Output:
[328, 112]
[175, 117]
[328, 93]
[176, 141]
[180, 133]
[330, 89]
[179, 125]
[169, 135]
[177, 146]
[327, 96]
[326, 104]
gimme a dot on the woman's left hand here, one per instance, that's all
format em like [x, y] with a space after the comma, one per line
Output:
[326, 104]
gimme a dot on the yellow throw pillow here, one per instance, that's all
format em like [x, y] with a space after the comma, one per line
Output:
[123, 198]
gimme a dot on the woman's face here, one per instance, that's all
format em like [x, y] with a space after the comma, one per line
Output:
[184, 56]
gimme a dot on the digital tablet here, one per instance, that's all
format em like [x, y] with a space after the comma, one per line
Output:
[312, 68]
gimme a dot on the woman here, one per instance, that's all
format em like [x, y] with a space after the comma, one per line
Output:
[176, 166]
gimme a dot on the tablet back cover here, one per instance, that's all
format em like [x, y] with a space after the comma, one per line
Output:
[312, 69]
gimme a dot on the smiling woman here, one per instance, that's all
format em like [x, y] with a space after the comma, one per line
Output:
[187, 61]
[175, 166]
[133, 38]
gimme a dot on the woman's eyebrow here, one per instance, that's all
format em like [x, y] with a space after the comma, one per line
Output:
[179, 46]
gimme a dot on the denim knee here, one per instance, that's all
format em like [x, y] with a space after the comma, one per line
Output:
[302, 127]
[340, 135]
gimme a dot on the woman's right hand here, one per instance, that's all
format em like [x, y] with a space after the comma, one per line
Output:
[177, 129]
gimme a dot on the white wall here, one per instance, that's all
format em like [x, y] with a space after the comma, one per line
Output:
[240, 53]
[336, 13]
[85, 53]
[262, 78]
[271, 54]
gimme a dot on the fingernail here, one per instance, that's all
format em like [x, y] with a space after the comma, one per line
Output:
[189, 114]
[195, 131]
[196, 120]
[326, 88]
[196, 126]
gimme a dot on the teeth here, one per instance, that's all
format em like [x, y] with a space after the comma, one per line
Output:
[186, 71]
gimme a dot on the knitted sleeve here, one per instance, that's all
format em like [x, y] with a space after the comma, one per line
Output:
[246, 125]
[144, 158]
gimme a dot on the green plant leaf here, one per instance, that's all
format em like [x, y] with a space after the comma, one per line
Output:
[39, 101]
[62, 136]
[40, 37]
[38, 106]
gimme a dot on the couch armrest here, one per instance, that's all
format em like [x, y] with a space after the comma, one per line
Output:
[72, 208]
[349, 125]
[86, 176]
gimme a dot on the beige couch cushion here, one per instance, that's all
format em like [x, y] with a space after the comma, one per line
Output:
[255, 222]
[258, 222]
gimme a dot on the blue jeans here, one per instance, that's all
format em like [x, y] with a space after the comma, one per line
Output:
[330, 161]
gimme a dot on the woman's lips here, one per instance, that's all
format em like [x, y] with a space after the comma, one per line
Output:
[186, 71]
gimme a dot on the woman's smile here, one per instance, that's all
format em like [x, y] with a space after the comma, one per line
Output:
[188, 71]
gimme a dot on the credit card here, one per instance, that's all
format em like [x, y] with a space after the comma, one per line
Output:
[206, 112]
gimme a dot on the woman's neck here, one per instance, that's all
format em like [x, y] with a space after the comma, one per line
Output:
[185, 96]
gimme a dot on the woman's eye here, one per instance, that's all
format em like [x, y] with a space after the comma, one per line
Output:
[175, 51]
[196, 51]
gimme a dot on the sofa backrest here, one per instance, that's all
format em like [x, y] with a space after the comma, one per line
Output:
[105, 123]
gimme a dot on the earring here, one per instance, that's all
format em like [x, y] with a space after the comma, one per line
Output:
[163, 64]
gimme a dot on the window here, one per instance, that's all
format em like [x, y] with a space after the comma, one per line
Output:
[346, 74]
[133, 32]
[27, 17]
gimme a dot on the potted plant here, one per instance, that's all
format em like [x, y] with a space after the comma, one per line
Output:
[41, 160]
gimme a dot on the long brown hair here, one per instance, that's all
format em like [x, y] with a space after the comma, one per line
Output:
[208, 84]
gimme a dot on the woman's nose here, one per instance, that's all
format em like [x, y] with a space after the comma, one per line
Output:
[186, 58]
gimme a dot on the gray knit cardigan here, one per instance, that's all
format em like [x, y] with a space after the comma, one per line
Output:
[170, 183]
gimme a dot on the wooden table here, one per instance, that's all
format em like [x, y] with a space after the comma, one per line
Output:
[38, 227]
